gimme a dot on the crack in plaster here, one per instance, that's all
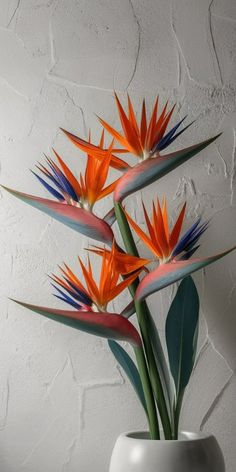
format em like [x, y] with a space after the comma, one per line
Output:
[219, 395]
[63, 81]
[69, 97]
[223, 17]
[60, 370]
[5, 81]
[179, 77]
[85, 387]
[214, 404]
[40, 5]
[232, 290]
[184, 186]
[5, 401]
[72, 368]
[201, 351]
[44, 231]
[139, 31]
[52, 47]
[226, 174]
[14, 13]
[220, 354]
[37, 444]
[70, 450]
[214, 45]
[233, 170]
[84, 121]
[181, 53]
[209, 342]
[34, 116]
[82, 388]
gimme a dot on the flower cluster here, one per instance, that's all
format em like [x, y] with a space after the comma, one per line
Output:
[95, 296]
[172, 249]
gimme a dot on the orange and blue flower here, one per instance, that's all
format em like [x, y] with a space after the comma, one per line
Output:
[84, 192]
[172, 251]
[90, 300]
[97, 296]
[145, 140]
[164, 243]
[75, 198]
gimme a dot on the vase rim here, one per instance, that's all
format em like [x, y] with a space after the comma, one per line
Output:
[185, 436]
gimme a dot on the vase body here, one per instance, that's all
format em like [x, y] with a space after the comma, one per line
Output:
[134, 452]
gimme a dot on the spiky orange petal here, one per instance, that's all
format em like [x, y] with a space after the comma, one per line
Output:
[174, 236]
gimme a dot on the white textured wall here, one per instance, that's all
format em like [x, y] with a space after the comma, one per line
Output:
[63, 400]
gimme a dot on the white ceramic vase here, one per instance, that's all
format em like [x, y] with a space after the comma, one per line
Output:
[135, 452]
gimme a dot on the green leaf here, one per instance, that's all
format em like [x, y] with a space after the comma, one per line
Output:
[181, 329]
[161, 363]
[129, 368]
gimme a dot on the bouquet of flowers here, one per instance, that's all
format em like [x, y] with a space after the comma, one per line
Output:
[158, 380]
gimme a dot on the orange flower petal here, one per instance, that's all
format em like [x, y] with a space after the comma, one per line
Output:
[131, 133]
[147, 241]
[74, 182]
[143, 125]
[95, 151]
[177, 228]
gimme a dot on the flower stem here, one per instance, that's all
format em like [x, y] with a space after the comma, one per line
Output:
[140, 356]
[177, 414]
[143, 315]
[147, 390]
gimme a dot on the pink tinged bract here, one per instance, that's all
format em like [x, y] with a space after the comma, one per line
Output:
[153, 168]
[76, 218]
[104, 324]
[167, 274]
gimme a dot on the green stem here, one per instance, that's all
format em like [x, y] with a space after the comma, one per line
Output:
[143, 315]
[150, 402]
[177, 414]
[141, 310]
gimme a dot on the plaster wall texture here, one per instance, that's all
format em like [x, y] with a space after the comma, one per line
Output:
[63, 399]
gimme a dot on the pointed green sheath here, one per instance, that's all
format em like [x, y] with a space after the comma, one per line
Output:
[129, 310]
[167, 274]
[153, 168]
[110, 217]
[76, 218]
[104, 324]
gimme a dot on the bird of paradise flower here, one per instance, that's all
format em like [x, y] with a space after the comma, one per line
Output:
[73, 205]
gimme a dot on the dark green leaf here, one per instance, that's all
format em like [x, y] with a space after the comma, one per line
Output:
[181, 330]
[129, 368]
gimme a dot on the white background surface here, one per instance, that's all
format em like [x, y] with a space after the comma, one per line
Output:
[63, 401]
